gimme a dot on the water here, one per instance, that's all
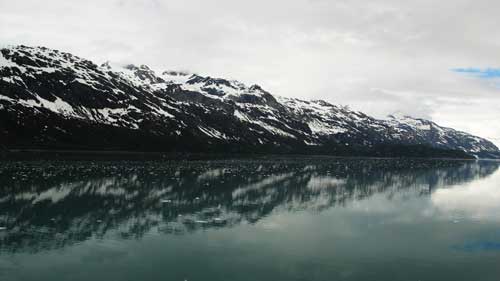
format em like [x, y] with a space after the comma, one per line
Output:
[302, 219]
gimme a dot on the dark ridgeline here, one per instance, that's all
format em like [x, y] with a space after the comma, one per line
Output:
[60, 203]
[53, 100]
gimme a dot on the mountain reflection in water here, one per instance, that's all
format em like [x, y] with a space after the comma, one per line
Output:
[47, 205]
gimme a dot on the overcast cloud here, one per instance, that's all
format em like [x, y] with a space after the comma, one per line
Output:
[432, 59]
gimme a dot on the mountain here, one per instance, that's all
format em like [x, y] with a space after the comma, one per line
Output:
[55, 100]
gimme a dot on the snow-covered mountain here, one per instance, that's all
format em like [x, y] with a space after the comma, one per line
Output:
[52, 99]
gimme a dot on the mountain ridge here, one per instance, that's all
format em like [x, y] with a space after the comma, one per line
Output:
[52, 99]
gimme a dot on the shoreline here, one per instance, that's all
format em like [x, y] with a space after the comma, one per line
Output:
[123, 155]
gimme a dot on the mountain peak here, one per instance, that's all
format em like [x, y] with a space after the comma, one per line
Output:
[175, 73]
[135, 67]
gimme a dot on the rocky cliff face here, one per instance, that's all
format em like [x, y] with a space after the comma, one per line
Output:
[52, 99]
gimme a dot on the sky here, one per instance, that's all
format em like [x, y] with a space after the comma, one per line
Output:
[431, 59]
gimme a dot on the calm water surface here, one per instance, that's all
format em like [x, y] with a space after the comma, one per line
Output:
[297, 219]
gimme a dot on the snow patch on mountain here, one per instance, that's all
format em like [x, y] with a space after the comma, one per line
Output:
[4, 62]
[322, 128]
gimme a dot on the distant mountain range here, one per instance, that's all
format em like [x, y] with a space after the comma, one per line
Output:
[55, 100]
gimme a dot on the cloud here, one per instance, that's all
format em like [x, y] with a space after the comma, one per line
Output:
[339, 51]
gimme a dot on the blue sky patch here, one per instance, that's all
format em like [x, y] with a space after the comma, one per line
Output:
[486, 73]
